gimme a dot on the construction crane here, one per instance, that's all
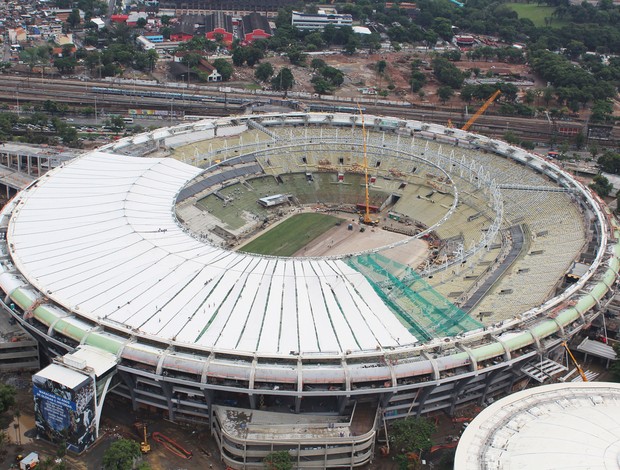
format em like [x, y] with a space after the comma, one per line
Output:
[366, 219]
[579, 369]
[145, 447]
[482, 109]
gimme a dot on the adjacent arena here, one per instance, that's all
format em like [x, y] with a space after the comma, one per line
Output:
[459, 292]
[547, 427]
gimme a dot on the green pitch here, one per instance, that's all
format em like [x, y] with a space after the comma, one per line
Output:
[538, 14]
[292, 234]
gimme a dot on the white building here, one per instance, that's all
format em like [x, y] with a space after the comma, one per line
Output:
[310, 21]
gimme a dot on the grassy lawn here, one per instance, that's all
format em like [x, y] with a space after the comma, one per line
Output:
[292, 234]
[537, 14]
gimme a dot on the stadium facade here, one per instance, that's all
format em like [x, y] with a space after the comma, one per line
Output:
[126, 251]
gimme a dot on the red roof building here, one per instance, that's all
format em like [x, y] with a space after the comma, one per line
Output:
[119, 18]
[255, 26]
[219, 25]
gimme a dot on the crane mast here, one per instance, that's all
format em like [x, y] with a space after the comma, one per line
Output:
[366, 218]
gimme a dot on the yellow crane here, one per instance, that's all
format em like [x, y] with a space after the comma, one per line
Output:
[579, 369]
[366, 219]
[145, 447]
[482, 109]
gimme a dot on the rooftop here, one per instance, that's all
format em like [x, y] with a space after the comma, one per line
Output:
[548, 427]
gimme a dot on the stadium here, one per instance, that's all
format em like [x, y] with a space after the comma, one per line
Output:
[430, 268]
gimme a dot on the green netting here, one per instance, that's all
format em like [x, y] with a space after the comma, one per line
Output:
[426, 313]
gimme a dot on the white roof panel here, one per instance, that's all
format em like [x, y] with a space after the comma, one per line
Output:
[100, 237]
[62, 375]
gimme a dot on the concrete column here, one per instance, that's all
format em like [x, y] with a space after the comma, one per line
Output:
[131, 385]
[423, 397]
[167, 389]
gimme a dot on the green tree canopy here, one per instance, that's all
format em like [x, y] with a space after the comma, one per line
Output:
[121, 455]
[7, 397]
[610, 162]
[224, 68]
[264, 71]
[601, 186]
[284, 81]
[412, 434]
[281, 460]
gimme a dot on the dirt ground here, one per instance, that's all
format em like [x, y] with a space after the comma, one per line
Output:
[360, 73]
[340, 241]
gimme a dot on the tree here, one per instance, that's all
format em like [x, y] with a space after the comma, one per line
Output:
[7, 397]
[317, 64]
[74, 18]
[445, 93]
[264, 71]
[254, 56]
[116, 123]
[601, 186]
[121, 455]
[224, 68]
[65, 64]
[412, 434]
[284, 81]
[141, 23]
[296, 56]
[447, 73]
[380, 67]
[610, 162]
[239, 56]
[351, 46]
[321, 86]
[278, 461]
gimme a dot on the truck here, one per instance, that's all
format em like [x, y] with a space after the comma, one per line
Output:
[29, 462]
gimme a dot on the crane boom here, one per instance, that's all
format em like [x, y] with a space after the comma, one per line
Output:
[367, 220]
[482, 109]
[579, 369]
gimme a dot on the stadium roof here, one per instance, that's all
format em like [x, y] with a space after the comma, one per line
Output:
[100, 237]
[548, 427]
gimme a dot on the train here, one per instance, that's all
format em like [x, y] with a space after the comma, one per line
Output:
[167, 95]
[330, 108]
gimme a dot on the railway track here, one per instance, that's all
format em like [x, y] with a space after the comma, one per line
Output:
[120, 97]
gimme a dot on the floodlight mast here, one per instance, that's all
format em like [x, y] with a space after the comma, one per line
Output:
[367, 220]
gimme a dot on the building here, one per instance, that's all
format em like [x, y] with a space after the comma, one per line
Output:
[155, 38]
[255, 26]
[210, 335]
[212, 74]
[144, 43]
[464, 41]
[230, 7]
[187, 27]
[569, 425]
[318, 21]
[119, 18]
[275, 200]
[219, 26]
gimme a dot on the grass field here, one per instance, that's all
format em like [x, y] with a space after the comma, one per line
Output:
[537, 14]
[291, 235]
